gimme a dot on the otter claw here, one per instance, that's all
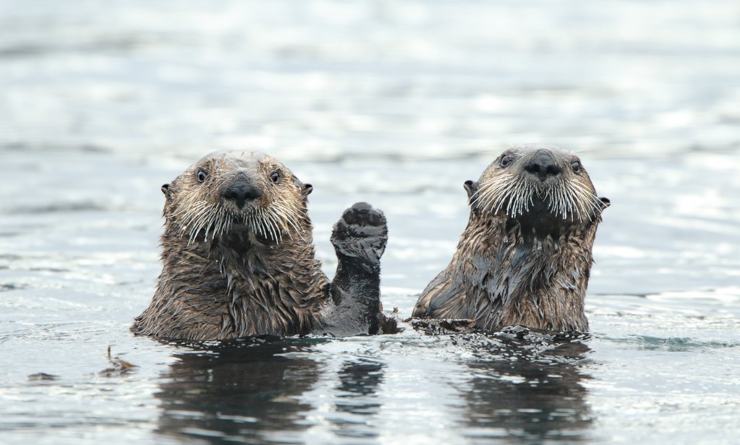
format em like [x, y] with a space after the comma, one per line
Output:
[361, 232]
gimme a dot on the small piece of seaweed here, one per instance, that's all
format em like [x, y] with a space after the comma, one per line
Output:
[118, 366]
[42, 377]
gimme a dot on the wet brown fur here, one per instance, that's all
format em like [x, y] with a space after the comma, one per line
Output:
[520, 268]
[230, 279]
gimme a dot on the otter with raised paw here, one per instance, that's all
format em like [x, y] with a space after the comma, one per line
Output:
[238, 258]
[525, 255]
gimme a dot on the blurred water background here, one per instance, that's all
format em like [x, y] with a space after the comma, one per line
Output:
[396, 103]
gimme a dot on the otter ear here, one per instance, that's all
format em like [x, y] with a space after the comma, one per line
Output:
[470, 187]
[307, 189]
[605, 202]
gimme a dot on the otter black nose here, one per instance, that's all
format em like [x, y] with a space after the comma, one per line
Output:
[543, 165]
[240, 192]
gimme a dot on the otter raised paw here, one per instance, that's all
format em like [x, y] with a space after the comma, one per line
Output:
[359, 239]
[360, 236]
[238, 258]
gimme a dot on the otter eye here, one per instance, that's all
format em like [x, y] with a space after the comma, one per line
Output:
[576, 166]
[506, 161]
[202, 175]
[275, 176]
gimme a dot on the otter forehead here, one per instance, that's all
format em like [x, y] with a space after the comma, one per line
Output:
[521, 154]
[528, 148]
[239, 160]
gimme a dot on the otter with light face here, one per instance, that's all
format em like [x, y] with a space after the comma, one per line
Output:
[525, 255]
[238, 258]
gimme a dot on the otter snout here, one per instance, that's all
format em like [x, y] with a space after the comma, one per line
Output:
[241, 191]
[543, 165]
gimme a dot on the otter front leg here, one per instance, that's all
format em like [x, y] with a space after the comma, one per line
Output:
[359, 239]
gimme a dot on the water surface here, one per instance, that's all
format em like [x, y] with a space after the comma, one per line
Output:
[395, 103]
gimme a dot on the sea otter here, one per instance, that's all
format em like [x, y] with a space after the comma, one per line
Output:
[525, 256]
[238, 258]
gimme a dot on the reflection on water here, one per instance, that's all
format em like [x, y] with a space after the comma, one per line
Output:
[255, 391]
[238, 392]
[356, 403]
[524, 394]
[250, 391]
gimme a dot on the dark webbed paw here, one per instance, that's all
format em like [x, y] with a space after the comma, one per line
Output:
[359, 238]
[361, 233]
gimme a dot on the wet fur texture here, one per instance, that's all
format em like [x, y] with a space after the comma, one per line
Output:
[231, 271]
[523, 259]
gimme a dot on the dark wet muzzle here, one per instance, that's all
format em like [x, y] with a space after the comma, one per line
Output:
[543, 165]
[241, 191]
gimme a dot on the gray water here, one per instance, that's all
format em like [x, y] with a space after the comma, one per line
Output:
[396, 103]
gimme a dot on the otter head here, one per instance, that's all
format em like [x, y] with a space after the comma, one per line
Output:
[542, 191]
[230, 191]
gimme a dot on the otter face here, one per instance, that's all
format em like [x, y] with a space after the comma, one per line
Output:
[539, 187]
[225, 191]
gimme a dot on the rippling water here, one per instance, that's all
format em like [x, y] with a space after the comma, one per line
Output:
[396, 103]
